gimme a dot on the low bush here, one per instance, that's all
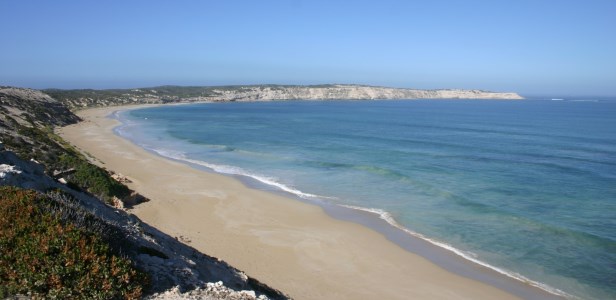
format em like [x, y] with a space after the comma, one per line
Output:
[43, 256]
[93, 179]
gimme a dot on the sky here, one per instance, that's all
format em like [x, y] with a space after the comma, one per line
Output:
[538, 47]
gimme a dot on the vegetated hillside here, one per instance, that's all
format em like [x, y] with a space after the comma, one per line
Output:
[27, 118]
[60, 238]
[26, 106]
[160, 265]
[76, 99]
[52, 248]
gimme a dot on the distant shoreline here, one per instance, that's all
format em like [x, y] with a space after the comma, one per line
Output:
[87, 98]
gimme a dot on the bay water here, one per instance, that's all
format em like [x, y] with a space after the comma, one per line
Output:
[527, 187]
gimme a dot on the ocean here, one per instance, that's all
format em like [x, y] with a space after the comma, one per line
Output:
[525, 187]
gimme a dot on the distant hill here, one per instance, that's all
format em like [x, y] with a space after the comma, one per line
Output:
[76, 99]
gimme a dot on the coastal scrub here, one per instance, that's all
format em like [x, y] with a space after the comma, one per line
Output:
[44, 256]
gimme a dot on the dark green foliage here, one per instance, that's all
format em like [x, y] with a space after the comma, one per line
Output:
[43, 256]
[92, 178]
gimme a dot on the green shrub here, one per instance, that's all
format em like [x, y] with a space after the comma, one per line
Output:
[43, 257]
[93, 179]
[55, 154]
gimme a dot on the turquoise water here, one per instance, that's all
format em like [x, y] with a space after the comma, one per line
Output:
[528, 187]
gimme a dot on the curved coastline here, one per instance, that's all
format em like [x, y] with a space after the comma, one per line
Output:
[441, 254]
[422, 246]
[396, 232]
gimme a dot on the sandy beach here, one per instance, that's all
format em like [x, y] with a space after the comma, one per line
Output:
[290, 245]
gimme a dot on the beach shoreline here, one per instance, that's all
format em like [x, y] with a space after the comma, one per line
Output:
[305, 250]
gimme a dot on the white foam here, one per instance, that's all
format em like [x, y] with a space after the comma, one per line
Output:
[232, 170]
[120, 129]
[115, 115]
[7, 170]
[466, 255]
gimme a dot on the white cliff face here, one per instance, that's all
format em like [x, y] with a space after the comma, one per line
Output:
[350, 92]
[77, 99]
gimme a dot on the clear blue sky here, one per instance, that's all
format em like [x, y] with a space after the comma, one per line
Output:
[532, 47]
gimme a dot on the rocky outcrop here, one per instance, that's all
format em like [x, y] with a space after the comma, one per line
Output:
[210, 291]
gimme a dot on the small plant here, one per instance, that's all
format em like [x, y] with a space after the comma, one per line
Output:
[43, 256]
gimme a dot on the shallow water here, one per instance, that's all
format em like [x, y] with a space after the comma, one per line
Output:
[525, 186]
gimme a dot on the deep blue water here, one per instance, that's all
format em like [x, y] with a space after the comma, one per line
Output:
[526, 186]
